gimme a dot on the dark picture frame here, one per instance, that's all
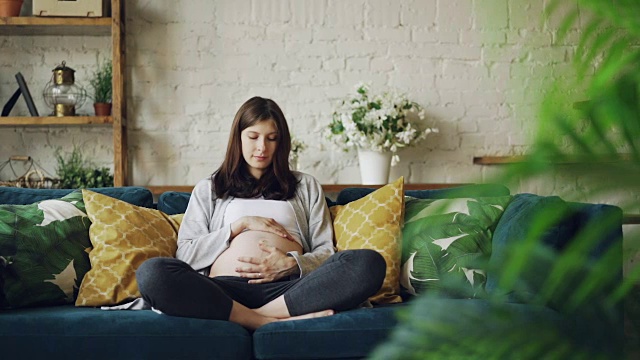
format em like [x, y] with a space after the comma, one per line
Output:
[24, 90]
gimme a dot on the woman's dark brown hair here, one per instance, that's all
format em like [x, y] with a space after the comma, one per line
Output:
[233, 178]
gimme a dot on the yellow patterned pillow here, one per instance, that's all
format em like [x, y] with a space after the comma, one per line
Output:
[375, 222]
[123, 236]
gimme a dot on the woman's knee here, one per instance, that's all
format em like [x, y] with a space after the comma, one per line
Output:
[155, 273]
[368, 263]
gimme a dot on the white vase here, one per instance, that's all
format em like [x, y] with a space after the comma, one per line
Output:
[374, 167]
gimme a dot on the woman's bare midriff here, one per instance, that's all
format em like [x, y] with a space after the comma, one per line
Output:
[246, 244]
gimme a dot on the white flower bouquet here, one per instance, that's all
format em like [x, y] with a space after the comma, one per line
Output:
[379, 122]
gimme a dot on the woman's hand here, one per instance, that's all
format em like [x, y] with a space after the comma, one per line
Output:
[259, 223]
[275, 265]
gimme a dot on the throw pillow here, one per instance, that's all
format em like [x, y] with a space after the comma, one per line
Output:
[375, 222]
[448, 238]
[43, 251]
[123, 237]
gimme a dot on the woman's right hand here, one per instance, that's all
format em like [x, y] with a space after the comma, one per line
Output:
[258, 223]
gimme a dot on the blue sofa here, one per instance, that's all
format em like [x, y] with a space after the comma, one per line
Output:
[76, 332]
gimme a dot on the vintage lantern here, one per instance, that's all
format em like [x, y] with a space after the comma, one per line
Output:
[62, 94]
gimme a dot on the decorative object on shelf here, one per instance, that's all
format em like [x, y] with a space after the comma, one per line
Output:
[10, 8]
[377, 122]
[23, 90]
[33, 177]
[101, 82]
[297, 147]
[75, 172]
[81, 8]
[61, 93]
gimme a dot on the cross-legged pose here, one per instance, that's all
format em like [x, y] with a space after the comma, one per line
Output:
[256, 242]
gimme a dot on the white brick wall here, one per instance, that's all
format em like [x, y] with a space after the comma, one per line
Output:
[478, 66]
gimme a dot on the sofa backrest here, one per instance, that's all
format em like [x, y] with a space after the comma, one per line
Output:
[557, 224]
[135, 195]
[474, 190]
[173, 202]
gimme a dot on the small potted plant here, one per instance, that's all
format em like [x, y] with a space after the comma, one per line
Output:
[76, 172]
[10, 7]
[101, 83]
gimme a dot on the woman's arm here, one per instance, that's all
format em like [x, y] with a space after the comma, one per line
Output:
[320, 228]
[197, 246]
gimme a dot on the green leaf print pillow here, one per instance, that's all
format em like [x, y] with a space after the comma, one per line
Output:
[448, 238]
[44, 251]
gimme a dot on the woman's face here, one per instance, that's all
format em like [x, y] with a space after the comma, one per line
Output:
[259, 143]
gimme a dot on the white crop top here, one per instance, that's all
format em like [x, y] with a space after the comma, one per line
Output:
[280, 211]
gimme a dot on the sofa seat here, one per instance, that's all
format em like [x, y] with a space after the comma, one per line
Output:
[91, 333]
[347, 335]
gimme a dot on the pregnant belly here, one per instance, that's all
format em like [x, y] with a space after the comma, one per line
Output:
[246, 244]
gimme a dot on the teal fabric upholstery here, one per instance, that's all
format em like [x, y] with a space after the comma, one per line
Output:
[516, 223]
[422, 330]
[88, 333]
[347, 335]
[603, 223]
[173, 202]
[135, 195]
[476, 190]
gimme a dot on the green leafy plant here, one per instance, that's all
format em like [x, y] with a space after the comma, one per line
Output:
[75, 172]
[101, 82]
[590, 120]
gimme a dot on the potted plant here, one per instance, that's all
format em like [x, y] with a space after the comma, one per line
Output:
[10, 7]
[377, 125]
[101, 83]
[75, 172]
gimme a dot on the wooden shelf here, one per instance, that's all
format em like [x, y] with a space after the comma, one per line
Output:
[496, 160]
[27, 25]
[631, 219]
[52, 120]
[500, 160]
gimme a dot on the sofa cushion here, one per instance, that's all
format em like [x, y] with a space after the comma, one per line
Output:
[43, 251]
[345, 335]
[531, 237]
[173, 202]
[474, 190]
[123, 237]
[90, 333]
[135, 195]
[448, 238]
[375, 222]
[442, 328]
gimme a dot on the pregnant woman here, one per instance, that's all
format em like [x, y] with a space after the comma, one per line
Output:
[256, 242]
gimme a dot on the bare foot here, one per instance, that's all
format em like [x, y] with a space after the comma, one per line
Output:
[312, 315]
[252, 319]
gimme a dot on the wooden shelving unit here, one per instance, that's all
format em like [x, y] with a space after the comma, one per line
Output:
[74, 26]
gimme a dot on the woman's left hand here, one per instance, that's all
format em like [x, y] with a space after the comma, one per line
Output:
[273, 266]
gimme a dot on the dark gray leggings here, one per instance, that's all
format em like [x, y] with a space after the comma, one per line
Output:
[342, 282]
